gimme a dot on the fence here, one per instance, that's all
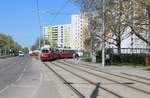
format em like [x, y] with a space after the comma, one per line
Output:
[130, 50]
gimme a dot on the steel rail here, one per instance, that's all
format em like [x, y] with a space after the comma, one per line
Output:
[124, 84]
[85, 66]
[140, 77]
[65, 81]
[90, 81]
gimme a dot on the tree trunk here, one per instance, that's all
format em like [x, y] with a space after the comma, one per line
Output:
[119, 50]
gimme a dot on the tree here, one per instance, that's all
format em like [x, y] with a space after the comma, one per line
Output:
[115, 13]
[7, 44]
[26, 49]
[36, 45]
[141, 20]
[116, 22]
[120, 15]
[2, 41]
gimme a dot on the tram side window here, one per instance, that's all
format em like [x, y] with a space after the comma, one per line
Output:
[51, 50]
[70, 51]
[45, 51]
[57, 51]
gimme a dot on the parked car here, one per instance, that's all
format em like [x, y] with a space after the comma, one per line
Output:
[21, 54]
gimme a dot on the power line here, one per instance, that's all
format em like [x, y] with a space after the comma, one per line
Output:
[38, 14]
[53, 13]
[39, 21]
[60, 10]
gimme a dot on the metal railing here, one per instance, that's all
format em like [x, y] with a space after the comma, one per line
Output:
[130, 50]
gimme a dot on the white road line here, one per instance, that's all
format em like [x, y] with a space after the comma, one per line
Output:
[4, 89]
[38, 85]
[24, 69]
[20, 77]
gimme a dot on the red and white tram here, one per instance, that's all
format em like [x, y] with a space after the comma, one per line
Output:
[66, 53]
[49, 53]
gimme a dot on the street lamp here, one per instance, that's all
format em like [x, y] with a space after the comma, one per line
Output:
[103, 35]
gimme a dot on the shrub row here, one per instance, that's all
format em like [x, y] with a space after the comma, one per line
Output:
[86, 59]
[125, 58]
[130, 58]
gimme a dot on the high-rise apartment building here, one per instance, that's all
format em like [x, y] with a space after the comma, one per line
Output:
[67, 35]
[58, 35]
[77, 32]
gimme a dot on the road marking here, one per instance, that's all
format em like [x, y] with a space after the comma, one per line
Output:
[24, 69]
[20, 77]
[38, 85]
[4, 89]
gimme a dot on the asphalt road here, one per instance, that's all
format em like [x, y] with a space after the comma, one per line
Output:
[25, 77]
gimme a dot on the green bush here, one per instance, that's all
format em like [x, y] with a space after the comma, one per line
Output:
[98, 56]
[86, 59]
[130, 58]
[86, 53]
[125, 58]
[148, 69]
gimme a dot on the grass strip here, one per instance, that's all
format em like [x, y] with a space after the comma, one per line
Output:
[5, 56]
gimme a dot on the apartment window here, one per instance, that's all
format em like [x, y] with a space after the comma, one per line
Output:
[61, 40]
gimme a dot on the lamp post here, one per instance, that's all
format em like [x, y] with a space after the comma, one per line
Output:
[103, 34]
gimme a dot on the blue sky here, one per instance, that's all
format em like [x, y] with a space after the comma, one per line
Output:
[18, 20]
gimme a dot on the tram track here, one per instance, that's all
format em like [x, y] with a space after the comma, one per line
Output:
[136, 80]
[123, 84]
[65, 81]
[90, 82]
[131, 75]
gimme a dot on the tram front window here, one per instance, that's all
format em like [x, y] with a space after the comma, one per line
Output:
[45, 51]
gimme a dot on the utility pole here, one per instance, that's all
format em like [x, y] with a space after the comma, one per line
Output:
[39, 22]
[103, 34]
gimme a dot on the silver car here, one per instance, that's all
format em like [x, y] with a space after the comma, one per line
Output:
[21, 54]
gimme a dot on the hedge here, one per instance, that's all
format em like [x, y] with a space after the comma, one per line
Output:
[125, 58]
[130, 58]
[86, 59]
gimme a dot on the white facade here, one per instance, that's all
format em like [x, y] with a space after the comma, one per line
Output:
[76, 32]
[132, 44]
[68, 35]
[71, 35]
[58, 35]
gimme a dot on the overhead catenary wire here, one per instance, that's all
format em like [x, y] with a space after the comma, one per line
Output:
[59, 11]
[53, 13]
[39, 22]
